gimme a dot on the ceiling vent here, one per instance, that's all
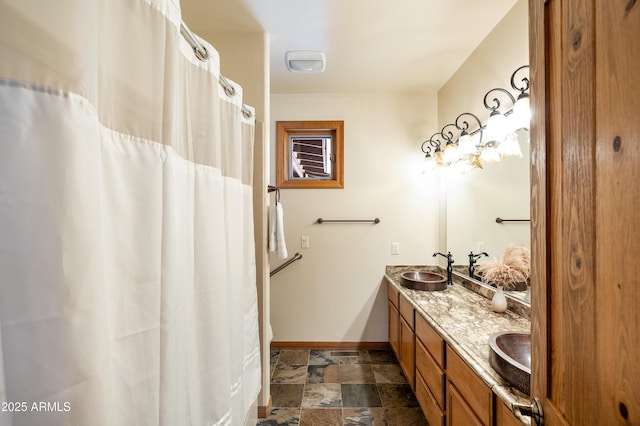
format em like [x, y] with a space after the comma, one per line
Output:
[305, 61]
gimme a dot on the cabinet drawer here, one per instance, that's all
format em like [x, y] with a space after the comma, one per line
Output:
[407, 312]
[472, 389]
[431, 373]
[431, 340]
[430, 407]
[393, 294]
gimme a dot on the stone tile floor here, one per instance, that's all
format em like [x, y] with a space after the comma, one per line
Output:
[340, 387]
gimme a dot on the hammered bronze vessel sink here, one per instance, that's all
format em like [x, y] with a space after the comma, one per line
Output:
[510, 357]
[423, 280]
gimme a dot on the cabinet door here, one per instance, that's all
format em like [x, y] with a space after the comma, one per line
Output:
[458, 412]
[504, 416]
[394, 329]
[585, 153]
[478, 396]
[407, 352]
[430, 408]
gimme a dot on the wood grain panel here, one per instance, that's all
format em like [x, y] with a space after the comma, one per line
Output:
[407, 352]
[432, 374]
[545, 23]
[458, 412]
[573, 234]
[378, 346]
[472, 389]
[392, 294]
[504, 416]
[407, 311]
[617, 214]
[431, 340]
[541, 62]
[394, 329]
[432, 411]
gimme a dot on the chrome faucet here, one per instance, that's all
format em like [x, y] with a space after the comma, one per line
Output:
[473, 258]
[450, 261]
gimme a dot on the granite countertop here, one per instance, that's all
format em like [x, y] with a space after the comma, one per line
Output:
[465, 321]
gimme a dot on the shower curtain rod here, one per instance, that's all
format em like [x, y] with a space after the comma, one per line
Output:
[201, 53]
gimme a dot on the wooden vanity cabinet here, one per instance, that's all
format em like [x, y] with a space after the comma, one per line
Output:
[469, 399]
[430, 372]
[448, 390]
[394, 320]
[401, 334]
[407, 340]
[504, 416]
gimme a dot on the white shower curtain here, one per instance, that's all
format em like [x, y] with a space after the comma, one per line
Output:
[127, 270]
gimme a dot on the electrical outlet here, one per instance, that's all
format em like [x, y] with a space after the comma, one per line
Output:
[479, 247]
[304, 241]
[395, 248]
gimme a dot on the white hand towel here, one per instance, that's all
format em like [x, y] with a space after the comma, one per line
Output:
[276, 231]
[273, 246]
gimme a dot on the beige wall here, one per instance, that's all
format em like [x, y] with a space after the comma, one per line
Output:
[475, 200]
[334, 293]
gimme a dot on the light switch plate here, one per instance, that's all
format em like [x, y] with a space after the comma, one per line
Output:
[395, 248]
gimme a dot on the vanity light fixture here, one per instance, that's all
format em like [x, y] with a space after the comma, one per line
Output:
[467, 147]
[497, 124]
[307, 61]
[434, 142]
[510, 147]
[521, 116]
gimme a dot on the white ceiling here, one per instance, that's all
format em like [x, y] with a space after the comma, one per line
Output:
[370, 45]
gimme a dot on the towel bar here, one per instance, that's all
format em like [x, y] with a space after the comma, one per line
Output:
[321, 220]
[499, 220]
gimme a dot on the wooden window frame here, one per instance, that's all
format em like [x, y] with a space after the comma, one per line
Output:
[285, 129]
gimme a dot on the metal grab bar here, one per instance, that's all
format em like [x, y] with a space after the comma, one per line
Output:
[499, 220]
[295, 257]
[321, 220]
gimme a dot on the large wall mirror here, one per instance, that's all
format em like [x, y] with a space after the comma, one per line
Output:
[476, 199]
[501, 190]
[310, 154]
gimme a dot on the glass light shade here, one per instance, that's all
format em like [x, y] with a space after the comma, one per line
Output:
[497, 128]
[490, 154]
[521, 116]
[450, 154]
[510, 147]
[462, 167]
[438, 156]
[429, 164]
[475, 162]
[467, 144]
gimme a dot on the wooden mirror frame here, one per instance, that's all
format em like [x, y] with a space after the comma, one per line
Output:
[285, 129]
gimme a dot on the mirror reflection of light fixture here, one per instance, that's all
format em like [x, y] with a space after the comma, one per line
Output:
[490, 153]
[434, 142]
[510, 147]
[429, 162]
[465, 147]
[468, 143]
[450, 152]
